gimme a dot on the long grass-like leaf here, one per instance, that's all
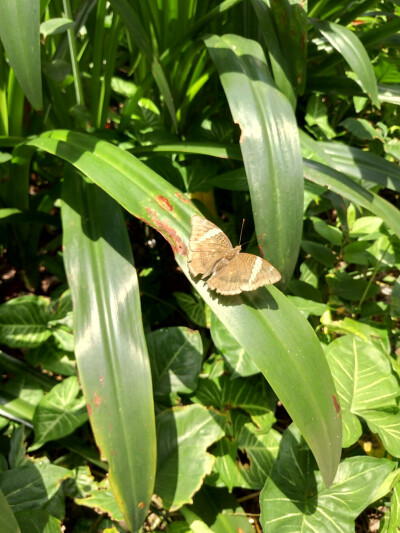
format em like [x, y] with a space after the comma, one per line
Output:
[353, 51]
[20, 34]
[265, 323]
[269, 144]
[345, 186]
[110, 348]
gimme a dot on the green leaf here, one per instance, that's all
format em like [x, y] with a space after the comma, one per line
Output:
[259, 450]
[19, 33]
[111, 353]
[183, 436]
[270, 146]
[367, 388]
[24, 321]
[240, 363]
[395, 299]
[55, 25]
[346, 187]
[365, 226]
[352, 50]
[359, 164]
[348, 288]
[361, 128]
[295, 499]
[32, 485]
[8, 523]
[50, 357]
[218, 510]
[307, 306]
[328, 232]
[193, 307]
[264, 322]
[59, 413]
[319, 252]
[251, 395]
[101, 497]
[175, 355]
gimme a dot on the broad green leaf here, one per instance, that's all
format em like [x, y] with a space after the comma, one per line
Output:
[294, 497]
[319, 252]
[193, 307]
[101, 497]
[361, 128]
[240, 363]
[259, 450]
[50, 357]
[307, 306]
[343, 185]
[349, 288]
[218, 510]
[365, 226]
[110, 349]
[252, 394]
[19, 33]
[352, 50]
[267, 326]
[365, 332]
[8, 523]
[270, 146]
[24, 321]
[328, 232]
[367, 389]
[32, 485]
[175, 356]
[183, 436]
[59, 413]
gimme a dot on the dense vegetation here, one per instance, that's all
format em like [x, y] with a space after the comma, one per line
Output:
[134, 397]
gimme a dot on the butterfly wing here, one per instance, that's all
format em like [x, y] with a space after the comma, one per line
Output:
[207, 244]
[246, 272]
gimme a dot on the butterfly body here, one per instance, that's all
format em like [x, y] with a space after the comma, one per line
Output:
[229, 271]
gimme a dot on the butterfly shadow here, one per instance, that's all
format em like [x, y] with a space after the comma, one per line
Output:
[261, 298]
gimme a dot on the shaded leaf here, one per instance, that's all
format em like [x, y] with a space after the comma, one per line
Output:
[183, 436]
[175, 355]
[294, 497]
[59, 413]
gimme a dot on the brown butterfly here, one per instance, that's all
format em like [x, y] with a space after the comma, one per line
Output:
[212, 254]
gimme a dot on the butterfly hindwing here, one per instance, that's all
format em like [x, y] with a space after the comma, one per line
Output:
[246, 272]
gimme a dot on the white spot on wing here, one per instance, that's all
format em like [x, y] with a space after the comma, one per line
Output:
[209, 234]
[256, 270]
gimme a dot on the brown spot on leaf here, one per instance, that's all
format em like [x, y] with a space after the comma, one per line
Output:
[337, 406]
[182, 197]
[141, 505]
[89, 409]
[97, 399]
[164, 203]
[178, 246]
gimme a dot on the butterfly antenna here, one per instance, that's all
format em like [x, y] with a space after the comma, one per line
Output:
[241, 231]
[260, 237]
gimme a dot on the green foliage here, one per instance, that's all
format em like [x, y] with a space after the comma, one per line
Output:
[133, 397]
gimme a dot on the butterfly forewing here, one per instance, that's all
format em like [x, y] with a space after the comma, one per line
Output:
[207, 244]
